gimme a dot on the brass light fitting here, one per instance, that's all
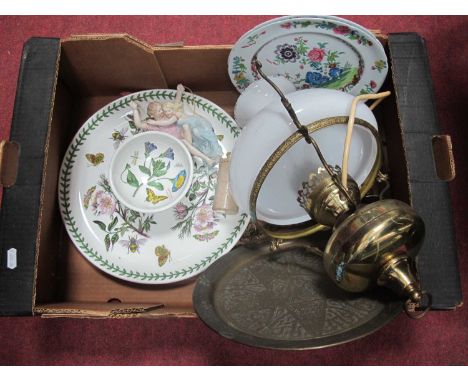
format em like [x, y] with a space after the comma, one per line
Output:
[374, 244]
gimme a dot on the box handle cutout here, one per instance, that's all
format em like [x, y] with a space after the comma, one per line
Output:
[9, 158]
[114, 301]
[444, 161]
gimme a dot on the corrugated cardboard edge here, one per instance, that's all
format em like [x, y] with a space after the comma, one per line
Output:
[84, 310]
[108, 36]
[124, 36]
[171, 45]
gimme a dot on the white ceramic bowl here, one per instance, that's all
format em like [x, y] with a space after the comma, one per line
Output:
[258, 95]
[151, 172]
[266, 131]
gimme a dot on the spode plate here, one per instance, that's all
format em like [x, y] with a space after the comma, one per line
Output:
[324, 52]
[157, 248]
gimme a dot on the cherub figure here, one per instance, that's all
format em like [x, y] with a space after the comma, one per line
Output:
[195, 132]
[156, 120]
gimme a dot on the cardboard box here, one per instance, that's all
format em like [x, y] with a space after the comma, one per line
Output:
[62, 83]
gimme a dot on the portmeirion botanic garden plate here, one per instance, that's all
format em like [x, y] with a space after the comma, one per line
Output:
[311, 51]
[152, 248]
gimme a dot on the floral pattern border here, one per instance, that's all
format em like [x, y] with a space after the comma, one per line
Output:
[64, 189]
[239, 67]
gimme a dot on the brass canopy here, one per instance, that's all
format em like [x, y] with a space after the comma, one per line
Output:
[324, 201]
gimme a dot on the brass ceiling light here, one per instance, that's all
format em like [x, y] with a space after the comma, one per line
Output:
[373, 244]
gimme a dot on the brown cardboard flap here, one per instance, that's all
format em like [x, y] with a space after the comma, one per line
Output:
[203, 68]
[110, 64]
[443, 157]
[9, 157]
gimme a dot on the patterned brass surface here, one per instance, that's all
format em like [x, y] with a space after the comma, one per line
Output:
[285, 300]
[281, 232]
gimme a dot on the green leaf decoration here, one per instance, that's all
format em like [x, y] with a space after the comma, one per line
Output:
[114, 238]
[112, 224]
[132, 180]
[132, 125]
[156, 185]
[107, 242]
[159, 168]
[196, 186]
[145, 170]
[101, 225]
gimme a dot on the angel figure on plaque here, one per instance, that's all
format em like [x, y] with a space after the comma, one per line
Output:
[193, 130]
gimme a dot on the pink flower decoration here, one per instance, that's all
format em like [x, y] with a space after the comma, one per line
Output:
[103, 203]
[342, 29]
[372, 84]
[180, 211]
[204, 218]
[316, 55]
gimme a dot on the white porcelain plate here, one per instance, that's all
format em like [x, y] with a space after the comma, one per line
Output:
[311, 51]
[157, 248]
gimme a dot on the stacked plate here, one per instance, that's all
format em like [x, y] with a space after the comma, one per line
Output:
[129, 243]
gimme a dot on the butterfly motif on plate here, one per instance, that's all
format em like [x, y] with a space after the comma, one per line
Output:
[163, 254]
[95, 159]
[153, 198]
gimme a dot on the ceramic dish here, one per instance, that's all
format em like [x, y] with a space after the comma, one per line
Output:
[311, 52]
[307, 17]
[263, 133]
[159, 248]
[151, 172]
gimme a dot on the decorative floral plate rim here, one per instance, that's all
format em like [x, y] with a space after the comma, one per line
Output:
[288, 17]
[368, 77]
[73, 219]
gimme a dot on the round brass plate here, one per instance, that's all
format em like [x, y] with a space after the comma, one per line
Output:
[284, 300]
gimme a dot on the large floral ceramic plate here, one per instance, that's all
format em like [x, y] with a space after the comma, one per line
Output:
[158, 248]
[326, 52]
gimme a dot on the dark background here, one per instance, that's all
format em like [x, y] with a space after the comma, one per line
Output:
[440, 338]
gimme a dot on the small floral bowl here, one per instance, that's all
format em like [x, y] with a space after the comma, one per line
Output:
[151, 172]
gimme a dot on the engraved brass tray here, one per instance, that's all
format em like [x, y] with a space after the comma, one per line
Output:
[284, 300]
